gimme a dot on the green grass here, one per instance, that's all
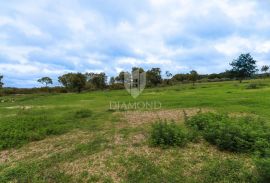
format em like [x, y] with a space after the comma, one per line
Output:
[77, 138]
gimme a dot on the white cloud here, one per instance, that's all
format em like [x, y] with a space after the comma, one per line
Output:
[263, 47]
[234, 45]
[129, 61]
[176, 35]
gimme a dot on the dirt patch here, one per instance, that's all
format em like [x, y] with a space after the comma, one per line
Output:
[44, 148]
[138, 138]
[136, 118]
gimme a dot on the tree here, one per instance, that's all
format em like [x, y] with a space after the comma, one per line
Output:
[45, 81]
[244, 66]
[141, 70]
[167, 80]
[112, 81]
[193, 76]
[214, 76]
[153, 77]
[227, 74]
[180, 77]
[98, 80]
[73, 81]
[1, 83]
[121, 77]
[168, 74]
[264, 69]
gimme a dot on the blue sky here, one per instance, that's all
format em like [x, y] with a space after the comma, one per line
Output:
[49, 38]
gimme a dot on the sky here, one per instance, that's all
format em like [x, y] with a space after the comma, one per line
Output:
[50, 38]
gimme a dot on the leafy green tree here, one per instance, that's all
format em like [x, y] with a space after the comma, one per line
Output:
[141, 70]
[227, 74]
[265, 69]
[1, 83]
[45, 81]
[153, 77]
[73, 81]
[168, 74]
[244, 66]
[214, 76]
[121, 77]
[98, 80]
[193, 76]
[168, 80]
[180, 77]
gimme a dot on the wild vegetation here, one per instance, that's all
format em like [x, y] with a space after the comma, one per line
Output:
[210, 132]
[236, 134]
[168, 134]
[203, 130]
[244, 67]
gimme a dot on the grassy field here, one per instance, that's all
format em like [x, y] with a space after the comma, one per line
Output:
[77, 138]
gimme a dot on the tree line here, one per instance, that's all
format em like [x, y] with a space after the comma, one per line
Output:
[242, 68]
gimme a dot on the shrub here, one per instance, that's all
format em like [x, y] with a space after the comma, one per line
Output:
[252, 86]
[168, 134]
[255, 86]
[237, 134]
[83, 113]
[201, 121]
[263, 168]
[117, 86]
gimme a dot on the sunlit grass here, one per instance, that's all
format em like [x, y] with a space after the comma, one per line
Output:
[75, 137]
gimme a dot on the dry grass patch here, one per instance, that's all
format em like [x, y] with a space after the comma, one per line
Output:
[44, 148]
[136, 118]
[93, 165]
[192, 159]
[108, 163]
[21, 107]
[105, 164]
[195, 155]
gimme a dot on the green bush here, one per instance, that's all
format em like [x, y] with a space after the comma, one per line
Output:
[168, 134]
[255, 86]
[237, 134]
[263, 168]
[202, 121]
[83, 113]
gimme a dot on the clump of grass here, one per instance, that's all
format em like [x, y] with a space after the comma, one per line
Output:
[44, 170]
[83, 113]
[168, 134]
[17, 131]
[263, 168]
[237, 134]
[255, 86]
[143, 169]
[228, 170]
[111, 110]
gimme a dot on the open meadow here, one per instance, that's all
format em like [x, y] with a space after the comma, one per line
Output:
[78, 138]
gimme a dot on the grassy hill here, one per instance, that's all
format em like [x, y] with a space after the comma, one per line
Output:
[78, 138]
